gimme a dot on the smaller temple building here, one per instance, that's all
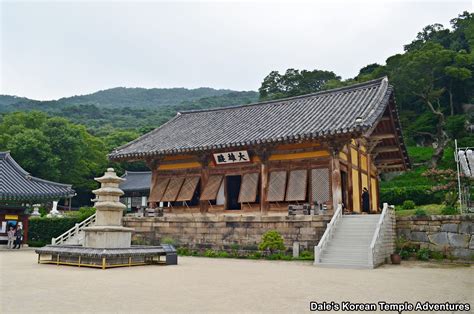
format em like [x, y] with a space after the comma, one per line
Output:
[136, 188]
[19, 191]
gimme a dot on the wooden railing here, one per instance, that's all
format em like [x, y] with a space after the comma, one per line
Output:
[74, 231]
[383, 241]
[328, 233]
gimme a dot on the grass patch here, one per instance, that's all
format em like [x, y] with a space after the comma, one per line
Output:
[430, 209]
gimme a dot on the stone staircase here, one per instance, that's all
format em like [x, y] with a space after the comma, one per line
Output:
[351, 242]
[357, 241]
[75, 235]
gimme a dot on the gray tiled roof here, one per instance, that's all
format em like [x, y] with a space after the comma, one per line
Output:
[136, 181]
[352, 109]
[18, 185]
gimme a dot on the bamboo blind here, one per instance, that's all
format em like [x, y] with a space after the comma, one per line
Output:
[158, 189]
[173, 189]
[212, 187]
[297, 183]
[276, 186]
[320, 185]
[188, 189]
[248, 188]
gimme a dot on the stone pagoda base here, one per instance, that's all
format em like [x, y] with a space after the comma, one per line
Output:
[107, 237]
[76, 255]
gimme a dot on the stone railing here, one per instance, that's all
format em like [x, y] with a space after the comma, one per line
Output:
[383, 241]
[318, 250]
[74, 231]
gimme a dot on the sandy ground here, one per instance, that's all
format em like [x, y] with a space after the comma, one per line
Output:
[218, 285]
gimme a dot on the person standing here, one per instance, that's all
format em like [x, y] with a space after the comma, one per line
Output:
[18, 237]
[365, 201]
[11, 237]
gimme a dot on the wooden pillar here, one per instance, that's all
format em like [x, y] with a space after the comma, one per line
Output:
[204, 160]
[153, 165]
[369, 183]
[264, 205]
[336, 187]
[350, 189]
[263, 154]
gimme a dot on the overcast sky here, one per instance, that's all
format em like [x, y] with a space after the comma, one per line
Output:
[63, 48]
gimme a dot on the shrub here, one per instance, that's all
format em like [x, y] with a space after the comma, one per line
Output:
[451, 199]
[306, 255]
[168, 240]
[184, 251]
[449, 210]
[42, 229]
[234, 246]
[408, 204]
[423, 254]
[421, 195]
[436, 255]
[256, 255]
[223, 254]
[272, 241]
[210, 253]
[420, 213]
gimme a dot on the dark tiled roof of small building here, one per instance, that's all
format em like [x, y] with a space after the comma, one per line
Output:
[349, 110]
[136, 181]
[18, 185]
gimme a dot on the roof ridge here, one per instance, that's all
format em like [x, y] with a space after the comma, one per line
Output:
[329, 91]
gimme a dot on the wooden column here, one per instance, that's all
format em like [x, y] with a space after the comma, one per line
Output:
[336, 187]
[204, 160]
[350, 191]
[264, 205]
[373, 207]
[153, 165]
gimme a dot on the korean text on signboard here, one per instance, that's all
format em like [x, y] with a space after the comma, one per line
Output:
[231, 157]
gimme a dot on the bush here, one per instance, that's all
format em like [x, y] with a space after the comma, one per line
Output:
[168, 240]
[449, 210]
[272, 241]
[408, 204]
[421, 195]
[423, 254]
[436, 255]
[420, 213]
[184, 251]
[210, 253]
[42, 229]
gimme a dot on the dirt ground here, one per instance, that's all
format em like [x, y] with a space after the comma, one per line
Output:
[218, 285]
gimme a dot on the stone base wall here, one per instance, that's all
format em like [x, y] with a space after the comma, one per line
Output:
[224, 232]
[451, 234]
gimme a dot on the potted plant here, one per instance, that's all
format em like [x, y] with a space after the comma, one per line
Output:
[396, 257]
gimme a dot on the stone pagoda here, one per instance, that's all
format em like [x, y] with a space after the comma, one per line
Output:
[108, 231]
[107, 243]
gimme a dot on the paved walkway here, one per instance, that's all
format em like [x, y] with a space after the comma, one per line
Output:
[218, 285]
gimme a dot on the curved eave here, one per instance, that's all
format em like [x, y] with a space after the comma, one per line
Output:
[357, 131]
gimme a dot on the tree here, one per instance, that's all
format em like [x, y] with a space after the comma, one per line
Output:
[53, 148]
[294, 83]
[420, 75]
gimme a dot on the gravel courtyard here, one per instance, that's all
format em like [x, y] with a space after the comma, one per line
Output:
[218, 285]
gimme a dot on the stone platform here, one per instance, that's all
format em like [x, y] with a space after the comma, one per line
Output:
[76, 255]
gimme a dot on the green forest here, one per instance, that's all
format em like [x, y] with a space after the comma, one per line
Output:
[67, 140]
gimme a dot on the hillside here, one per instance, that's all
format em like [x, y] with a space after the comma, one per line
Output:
[128, 108]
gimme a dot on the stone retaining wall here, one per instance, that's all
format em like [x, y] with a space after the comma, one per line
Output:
[224, 232]
[451, 234]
